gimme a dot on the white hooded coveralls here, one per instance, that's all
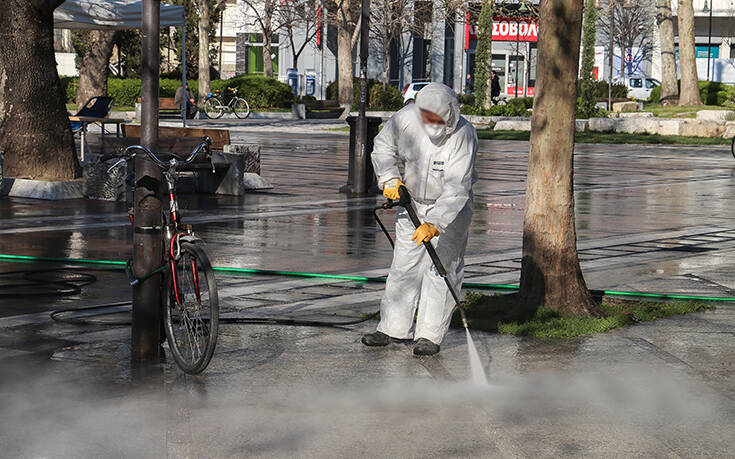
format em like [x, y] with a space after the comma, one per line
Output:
[439, 174]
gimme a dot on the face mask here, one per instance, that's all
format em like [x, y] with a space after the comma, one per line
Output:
[434, 131]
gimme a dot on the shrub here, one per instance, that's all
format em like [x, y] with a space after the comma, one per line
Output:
[69, 86]
[516, 109]
[711, 92]
[333, 90]
[466, 99]
[260, 91]
[521, 102]
[384, 99]
[619, 90]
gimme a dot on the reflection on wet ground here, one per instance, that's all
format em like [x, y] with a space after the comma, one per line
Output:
[649, 218]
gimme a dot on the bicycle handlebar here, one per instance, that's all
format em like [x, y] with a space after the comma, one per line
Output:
[172, 163]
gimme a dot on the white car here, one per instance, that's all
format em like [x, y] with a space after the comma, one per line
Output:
[640, 88]
[410, 91]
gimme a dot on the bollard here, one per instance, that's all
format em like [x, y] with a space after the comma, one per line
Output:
[371, 182]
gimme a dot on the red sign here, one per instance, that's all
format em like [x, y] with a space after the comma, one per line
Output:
[511, 91]
[504, 29]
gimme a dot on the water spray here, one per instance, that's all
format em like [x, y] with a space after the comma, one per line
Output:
[478, 374]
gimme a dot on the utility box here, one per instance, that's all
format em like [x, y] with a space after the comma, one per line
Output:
[310, 86]
[371, 182]
[293, 80]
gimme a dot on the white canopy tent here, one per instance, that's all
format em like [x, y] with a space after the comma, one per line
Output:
[118, 15]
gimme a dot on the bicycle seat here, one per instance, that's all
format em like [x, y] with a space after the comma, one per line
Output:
[232, 89]
[217, 91]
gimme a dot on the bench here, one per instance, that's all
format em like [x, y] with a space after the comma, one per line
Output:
[236, 167]
[320, 109]
[166, 106]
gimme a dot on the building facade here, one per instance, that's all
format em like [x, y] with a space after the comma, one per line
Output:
[443, 49]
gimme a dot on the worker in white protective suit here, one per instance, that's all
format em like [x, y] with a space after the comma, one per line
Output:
[436, 148]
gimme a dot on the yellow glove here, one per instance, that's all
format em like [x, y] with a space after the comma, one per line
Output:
[424, 233]
[390, 189]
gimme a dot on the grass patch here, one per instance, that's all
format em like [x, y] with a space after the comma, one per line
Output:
[610, 137]
[499, 313]
[340, 129]
[674, 111]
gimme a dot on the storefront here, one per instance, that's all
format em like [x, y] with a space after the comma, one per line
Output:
[514, 54]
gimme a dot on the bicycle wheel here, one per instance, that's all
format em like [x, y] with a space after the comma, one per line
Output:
[213, 108]
[192, 322]
[241, 108]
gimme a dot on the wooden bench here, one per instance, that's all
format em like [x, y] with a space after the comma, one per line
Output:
[323, 109]
[231, 162]
[167, 106]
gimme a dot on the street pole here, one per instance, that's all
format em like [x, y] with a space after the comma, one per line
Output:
[146, 324]
[323, 32]
[518, 52]
[709, 37]
[221, 28]
[360, 185]
[611, 32]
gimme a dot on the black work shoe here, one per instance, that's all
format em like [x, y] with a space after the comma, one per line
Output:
[376, 339]
[425, 347]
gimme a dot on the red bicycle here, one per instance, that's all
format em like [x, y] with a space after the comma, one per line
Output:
[189, 292]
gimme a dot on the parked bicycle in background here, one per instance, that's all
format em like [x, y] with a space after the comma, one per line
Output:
[215, 108]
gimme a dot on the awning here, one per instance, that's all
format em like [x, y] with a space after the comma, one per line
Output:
[111, 14]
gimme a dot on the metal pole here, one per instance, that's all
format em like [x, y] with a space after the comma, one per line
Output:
[360, 164]
[611, 31]
[709, 38]
[146, 324]
[221, 22]
[183, 72]
[323, 32]
[518, 51]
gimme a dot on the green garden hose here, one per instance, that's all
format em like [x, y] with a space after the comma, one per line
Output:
[268, 272]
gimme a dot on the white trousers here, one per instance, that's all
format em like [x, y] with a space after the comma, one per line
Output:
[413, 282]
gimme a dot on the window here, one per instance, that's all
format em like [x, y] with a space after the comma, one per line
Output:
[636, 83]
[651, 83]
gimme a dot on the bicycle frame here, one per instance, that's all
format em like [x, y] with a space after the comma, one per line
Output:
[174, 232]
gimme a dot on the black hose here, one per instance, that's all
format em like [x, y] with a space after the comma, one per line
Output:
[60, 315]
[44, 282]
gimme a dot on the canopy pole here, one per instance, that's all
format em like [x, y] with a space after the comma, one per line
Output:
[147, 247]
[183, 73]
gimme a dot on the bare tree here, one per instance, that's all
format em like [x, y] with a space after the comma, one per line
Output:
[35, 135]
[345, 15]
[688, 55]
[389, 21]
[665, 21]
[300, 17]
[94, 49]
[550, 272]
[205, 8]
[264, 14]
[632, 30]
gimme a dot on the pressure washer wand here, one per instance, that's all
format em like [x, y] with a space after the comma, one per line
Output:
[405, 202]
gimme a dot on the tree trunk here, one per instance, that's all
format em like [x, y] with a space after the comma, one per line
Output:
[344, 55]
[94, 69]
[204, 88]
[267, 59]
[669, 86]
[550, 272]
[35, 134]
[484, 63]
[688, 56]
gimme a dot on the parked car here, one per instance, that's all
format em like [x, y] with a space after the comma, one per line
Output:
[640, 88]
[410, 91]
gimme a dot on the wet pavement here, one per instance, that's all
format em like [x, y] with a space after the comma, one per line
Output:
[649, 218]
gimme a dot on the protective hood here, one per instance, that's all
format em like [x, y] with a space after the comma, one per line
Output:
[441, 100]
